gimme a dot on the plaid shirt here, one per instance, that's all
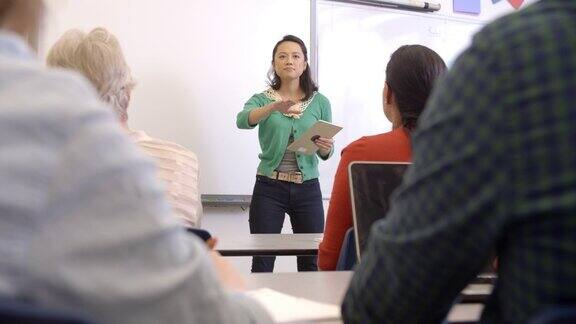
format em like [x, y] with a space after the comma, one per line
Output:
[494, 170]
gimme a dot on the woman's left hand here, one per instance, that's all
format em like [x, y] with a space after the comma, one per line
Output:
[325, 145]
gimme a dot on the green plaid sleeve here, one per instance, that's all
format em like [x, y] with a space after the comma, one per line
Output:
[494, 169]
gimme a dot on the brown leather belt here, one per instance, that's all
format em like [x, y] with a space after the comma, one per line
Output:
[294, 177]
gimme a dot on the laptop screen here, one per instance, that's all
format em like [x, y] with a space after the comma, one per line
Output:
[371, 185]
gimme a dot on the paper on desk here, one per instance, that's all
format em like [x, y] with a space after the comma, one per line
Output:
[285, 308]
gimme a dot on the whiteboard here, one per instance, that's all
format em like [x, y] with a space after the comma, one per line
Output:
[354, 45]
[196, 63]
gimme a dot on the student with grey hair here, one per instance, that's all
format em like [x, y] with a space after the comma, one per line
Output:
[98, 56]
[84, 224]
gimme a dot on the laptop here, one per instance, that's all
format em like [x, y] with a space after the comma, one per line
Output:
[371, 185]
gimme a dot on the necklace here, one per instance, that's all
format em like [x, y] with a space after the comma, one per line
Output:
[275, 96]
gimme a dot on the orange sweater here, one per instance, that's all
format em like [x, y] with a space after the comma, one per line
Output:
[393, 146]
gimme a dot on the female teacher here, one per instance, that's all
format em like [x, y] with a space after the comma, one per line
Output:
[287, 182]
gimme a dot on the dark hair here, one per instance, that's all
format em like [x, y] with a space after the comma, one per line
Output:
[306, 83]
[410, 75]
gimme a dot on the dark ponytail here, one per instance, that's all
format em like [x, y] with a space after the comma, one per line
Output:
[410, 75]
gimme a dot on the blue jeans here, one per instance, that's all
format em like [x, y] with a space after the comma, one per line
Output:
[271, 200]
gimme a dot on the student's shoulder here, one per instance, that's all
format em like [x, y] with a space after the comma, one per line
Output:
[359, 147]
[179, 150]
[57, 98]
[365, 141]
[509, 31]
[64, 82]
[71, 92]
[381, 144]
[161, 145]
[49, 83]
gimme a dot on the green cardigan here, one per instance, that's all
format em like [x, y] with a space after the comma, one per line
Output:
[274, 132]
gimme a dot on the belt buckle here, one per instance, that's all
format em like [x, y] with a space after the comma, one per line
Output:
[283, 176]
[296, 177]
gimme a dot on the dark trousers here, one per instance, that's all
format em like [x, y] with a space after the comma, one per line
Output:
[271, 200]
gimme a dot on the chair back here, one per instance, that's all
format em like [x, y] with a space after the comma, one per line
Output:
[371, 185]
[347, 257]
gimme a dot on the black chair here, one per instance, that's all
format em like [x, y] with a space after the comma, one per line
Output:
[347, 257]
[25, 313]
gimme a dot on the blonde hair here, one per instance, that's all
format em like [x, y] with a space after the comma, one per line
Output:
[98, 56]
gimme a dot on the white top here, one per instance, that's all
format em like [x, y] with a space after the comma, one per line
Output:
[83, 221]
[178, 168]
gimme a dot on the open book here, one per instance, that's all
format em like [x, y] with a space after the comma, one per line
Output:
[285, 308]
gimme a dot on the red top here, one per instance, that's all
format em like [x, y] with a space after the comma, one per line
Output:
[393, 146]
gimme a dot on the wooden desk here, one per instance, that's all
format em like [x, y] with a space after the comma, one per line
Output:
[330, 287]
[269, 244]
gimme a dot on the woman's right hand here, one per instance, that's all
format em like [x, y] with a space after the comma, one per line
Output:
[285, 107]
